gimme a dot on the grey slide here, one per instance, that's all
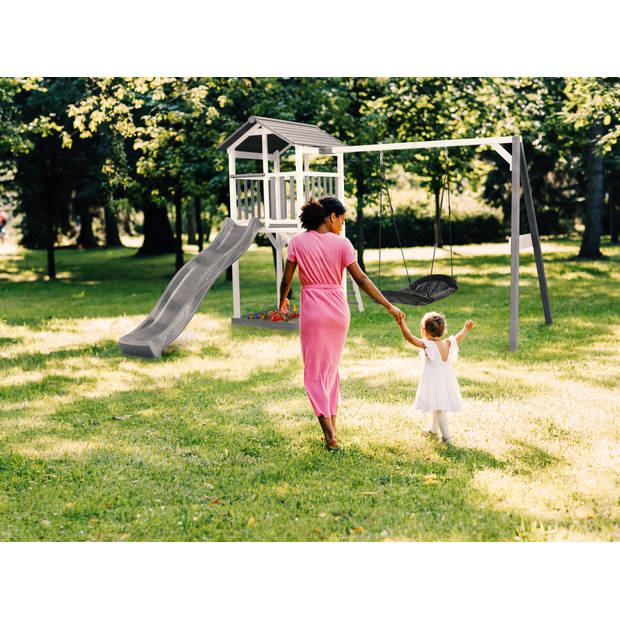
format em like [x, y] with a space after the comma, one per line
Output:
[186, 290]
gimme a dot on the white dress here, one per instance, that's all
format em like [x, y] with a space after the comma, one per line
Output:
[438, 389]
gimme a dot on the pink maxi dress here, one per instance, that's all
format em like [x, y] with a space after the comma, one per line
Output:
[324, 313]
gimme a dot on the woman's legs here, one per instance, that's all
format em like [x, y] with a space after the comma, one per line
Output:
[329, 431]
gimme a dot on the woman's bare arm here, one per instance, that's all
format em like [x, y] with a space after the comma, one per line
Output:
[287, 278]
[366, 284]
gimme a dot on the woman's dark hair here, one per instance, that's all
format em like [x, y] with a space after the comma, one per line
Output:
[315, 211]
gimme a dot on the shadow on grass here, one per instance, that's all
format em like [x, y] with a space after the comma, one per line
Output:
[51, 385]
[33, 361]
[530, 459]
[223, 469]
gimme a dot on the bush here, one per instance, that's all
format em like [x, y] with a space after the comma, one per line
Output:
[415, 230]
[418, 230]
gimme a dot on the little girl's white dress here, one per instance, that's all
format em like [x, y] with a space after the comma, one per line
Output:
[438, 389]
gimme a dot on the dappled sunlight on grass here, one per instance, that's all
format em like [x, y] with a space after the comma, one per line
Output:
[217, 440]
[46, 447]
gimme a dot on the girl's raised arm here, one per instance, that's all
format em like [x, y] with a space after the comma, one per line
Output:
[468, 325]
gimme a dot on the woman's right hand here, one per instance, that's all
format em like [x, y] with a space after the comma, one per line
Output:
[397, 313]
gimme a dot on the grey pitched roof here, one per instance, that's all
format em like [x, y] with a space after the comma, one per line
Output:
[284, 134]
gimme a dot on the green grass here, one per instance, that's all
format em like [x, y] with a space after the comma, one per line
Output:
[217, 441]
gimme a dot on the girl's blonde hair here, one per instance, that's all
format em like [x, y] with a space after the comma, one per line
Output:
[434, 323]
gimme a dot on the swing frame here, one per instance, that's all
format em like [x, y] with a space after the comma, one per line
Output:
[520, 180]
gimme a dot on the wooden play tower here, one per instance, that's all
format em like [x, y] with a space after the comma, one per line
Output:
[275, 196]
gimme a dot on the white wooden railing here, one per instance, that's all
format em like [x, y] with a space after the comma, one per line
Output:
[250, 199]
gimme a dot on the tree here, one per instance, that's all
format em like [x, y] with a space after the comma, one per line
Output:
[422, 109]
[593, 105]
[353, 110]
[531, 107]
[154, 115]
[44, 173]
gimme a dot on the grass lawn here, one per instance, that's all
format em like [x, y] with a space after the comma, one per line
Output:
[217, 441]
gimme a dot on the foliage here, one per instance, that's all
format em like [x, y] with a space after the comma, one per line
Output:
[157, 135]
[416, 230]
[589, 100]
[47, 172]
[355, 112]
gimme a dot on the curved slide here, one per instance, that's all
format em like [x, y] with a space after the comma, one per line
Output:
[186, 290]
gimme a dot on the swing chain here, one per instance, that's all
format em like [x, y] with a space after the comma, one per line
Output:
[444, 185]
[382, 184]
[380, 209]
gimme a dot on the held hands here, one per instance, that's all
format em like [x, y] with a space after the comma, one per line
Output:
[399, 315]
[284, 306]
[469, 324]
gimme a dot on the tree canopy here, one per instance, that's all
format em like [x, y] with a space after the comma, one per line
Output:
[81, 151]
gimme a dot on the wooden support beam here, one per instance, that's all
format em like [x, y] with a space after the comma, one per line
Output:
[236, 290]
[299, 181]
[429, 144]
[277, 185]
[232, 186]
[267, 214]
[531, 219]
[513, 336]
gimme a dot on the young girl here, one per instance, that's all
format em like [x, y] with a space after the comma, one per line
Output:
[438, 391]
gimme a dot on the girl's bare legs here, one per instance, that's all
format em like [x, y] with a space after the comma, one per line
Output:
[442, 420]
[433, 429]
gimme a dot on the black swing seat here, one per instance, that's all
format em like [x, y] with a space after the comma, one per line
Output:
[423, 291]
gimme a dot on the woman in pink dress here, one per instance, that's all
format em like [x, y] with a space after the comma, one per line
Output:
[322, 256]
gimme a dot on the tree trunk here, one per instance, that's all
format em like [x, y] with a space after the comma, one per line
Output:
[112, 238]
[207, 229]
[437, 225]
[191, 227]
[178, 217]
[198, 220]
[124, 222]
[360, 195]
[51, 239]
[591, 242]
[158, 237]
[614, 197]
[86, 237]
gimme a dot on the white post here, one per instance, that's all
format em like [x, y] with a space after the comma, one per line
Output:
[513, 330]
[308, 191]
[340, 196]
[266, 180]
[236, 290]
[299, 182]
[278, 245]
[232, 185]
[276, 185]
[340, 177]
